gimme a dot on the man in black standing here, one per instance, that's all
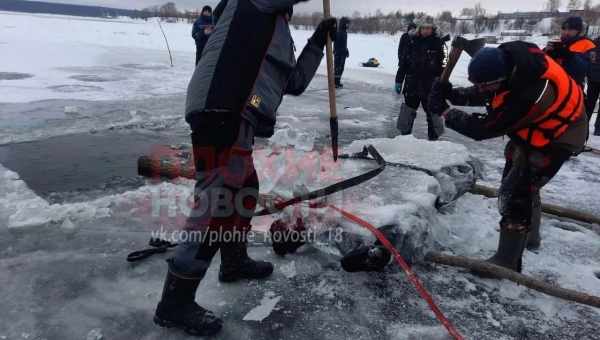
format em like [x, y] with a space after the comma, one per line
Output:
[404, 40]
[423, 61]
[341, 50]
[202, 29]
[247, 66]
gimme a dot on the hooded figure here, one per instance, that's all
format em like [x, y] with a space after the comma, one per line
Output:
[201, 30]
[341, 50]
[247, 66]
[531, 99]
[404, 40]
[423, 61]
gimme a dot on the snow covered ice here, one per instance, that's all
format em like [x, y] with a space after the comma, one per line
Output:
[72, 207]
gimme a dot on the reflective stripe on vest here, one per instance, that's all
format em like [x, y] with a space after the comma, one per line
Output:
[551, 123]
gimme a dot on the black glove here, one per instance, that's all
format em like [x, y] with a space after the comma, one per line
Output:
[327, 26]
[437, 97]
[442, 88]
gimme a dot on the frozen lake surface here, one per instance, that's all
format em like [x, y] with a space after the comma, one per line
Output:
[73, 123]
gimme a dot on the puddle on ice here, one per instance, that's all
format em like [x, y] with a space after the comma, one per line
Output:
[14, 75]
[75, 88]
[92, 78]
[145, 66]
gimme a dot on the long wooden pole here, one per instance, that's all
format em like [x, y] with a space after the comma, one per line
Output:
[524, 280]
[331, 84]
[546, 208]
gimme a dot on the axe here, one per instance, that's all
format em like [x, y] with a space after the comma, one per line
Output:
[460, 44]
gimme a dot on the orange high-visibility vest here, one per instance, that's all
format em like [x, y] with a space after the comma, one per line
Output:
[548, 124]
[582, 46]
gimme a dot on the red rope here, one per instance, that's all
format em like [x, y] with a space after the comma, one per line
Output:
[412, 277]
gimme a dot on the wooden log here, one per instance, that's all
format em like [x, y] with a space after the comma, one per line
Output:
[524, 280]
[550, 209]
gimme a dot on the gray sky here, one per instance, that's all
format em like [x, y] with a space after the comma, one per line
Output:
[347, 7]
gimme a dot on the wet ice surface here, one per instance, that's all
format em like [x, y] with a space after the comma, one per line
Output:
[72, 208]
[14, 75]
[65, 277]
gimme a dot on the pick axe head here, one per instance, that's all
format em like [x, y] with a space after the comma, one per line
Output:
[469, 46]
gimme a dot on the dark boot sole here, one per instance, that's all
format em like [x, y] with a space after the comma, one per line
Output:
[236, 278]
[191, 331]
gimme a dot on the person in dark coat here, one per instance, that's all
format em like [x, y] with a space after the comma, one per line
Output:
[202, 29]
[340, 50]
[531, 99]
[593, 84]
[402, 47]
[247, 66]
[571, 52]
[423, 61]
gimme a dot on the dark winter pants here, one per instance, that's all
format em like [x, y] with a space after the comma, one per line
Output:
[225, 197]
[593, 91]
[340, 63]
[526, 171]
[414, 101]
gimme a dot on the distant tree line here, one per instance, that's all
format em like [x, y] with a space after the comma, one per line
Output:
[474, 19]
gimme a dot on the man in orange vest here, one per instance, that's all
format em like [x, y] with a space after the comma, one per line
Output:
[533, 101]
[571, 51]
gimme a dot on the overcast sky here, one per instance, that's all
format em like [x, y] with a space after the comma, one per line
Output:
[347, 7]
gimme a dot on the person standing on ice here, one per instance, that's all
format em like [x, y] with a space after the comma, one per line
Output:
[424, 61]
[531, 99]
[572, 50]
[202, 29]
[593, 85]
[247, 66]
[340, 49]
[402, 46]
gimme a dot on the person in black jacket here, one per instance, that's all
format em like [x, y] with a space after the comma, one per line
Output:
[423, 62]
[593, 85]
[201, 30]
[340, 50]
[404, 40]
[247, 66]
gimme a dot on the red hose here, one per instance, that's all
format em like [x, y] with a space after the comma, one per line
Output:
[412, 277]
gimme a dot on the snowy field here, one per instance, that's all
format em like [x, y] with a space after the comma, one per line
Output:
[82, 98]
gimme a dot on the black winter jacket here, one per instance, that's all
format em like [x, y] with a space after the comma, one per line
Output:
[247, 66]
[423, 62]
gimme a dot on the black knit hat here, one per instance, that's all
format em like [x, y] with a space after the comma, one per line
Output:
[573, 23]
[206, 8]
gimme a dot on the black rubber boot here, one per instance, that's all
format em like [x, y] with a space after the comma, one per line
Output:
[178, 309]
[534, 239]
[366, 259]
[510, 252]
[237, 265]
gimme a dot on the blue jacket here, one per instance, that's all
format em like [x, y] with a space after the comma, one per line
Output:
[198, 33]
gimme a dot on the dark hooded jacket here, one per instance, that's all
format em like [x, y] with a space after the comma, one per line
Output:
[423, 61]
[341, 39]
[574, 57]
[525, 88]
[247, 66]
[198, 32]
[593, 73]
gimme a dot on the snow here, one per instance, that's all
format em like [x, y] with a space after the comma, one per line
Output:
[62, 261]
[409, 150]
[262, 311]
